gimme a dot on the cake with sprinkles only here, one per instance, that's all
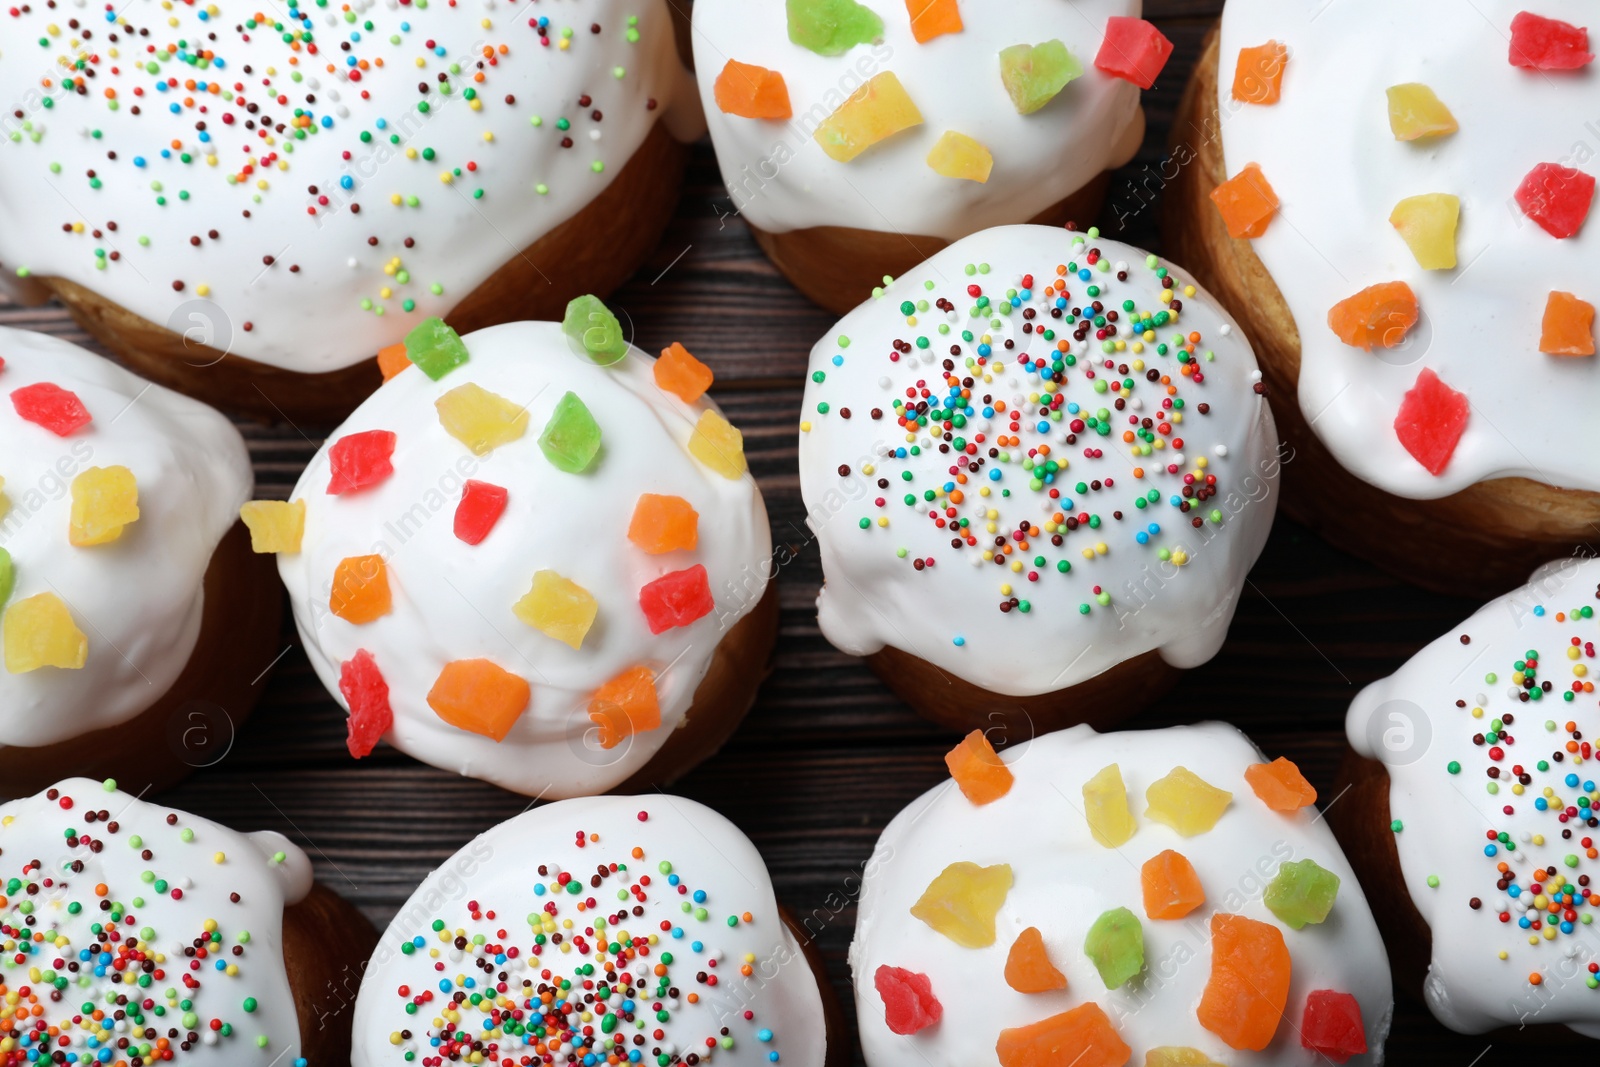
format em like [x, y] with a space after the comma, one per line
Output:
[857, 139]
[154, 936]
[535, 556]
[601, 930]
[248, 202]
[133, 617]
[1395, 201]
[1472, 809]
[1038, 468]
[1176, 901]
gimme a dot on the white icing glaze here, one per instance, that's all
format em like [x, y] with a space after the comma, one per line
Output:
[496, 875]
[164, 902]
[139, 598]
[1329, 153]
[311, 319]
[781, 180]
[1411, 723]
[454, 601]
[1064, 880]
[873, 599]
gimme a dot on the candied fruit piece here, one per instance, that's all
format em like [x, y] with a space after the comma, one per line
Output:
[1248, 987]
[1133, 50]
[392, 360]
[719, 445]
[1115, 945]
[367, 695]
[933, 18]
[1568, 328]
[1428, 225]
[962, 901]
[1557, 198]
[1171, 886]
[831, 27]
[480, 697]
[1302, 892]
[626, 705]
[1178, 1056]
[360, 460]
[679, 373]
[752, 92]
[56, 409]
[276, 526]
[1431, 420]
[1028, 966]
[435, 348]
[1247, 202]
[1105, 805]
[39, 632]
[978, 770]
[480, 419]
[1332, 1025]
[558, 607]
[875, 112]
[1035, 74]
[104, 500]
[481, 506]
[1082, 1037]
[1379, 316]
[1416, 112]
[664, 524]
[1280, 785]
[955, 155]
[361, 590]
[676, 599]
[8, 577]
[595, 330]
[571, 438]
[1186, 802]
[1538, 43]
[1258, 76]
[909, 1005]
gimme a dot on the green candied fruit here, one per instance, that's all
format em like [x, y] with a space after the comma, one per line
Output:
[832, 27]
[435, 348]
[8, 574]
[1035, 73]
[571, 438]
[1116, 946]
[595, 329]
[1302, 893]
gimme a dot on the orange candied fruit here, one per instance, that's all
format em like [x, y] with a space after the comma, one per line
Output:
[1280, 785]
[752, 92]
[480, 697]
[1379, 316]
[360, 590]
[1083, 1037]
[393, 360]
[626, 705]
[1245, 996]
[1568, 326]
[1171, 887]
[1246, 201]
[933, 18]
[1028, 966]
[664, 524]
[1258, 79]
[978, 769]
[679, 373]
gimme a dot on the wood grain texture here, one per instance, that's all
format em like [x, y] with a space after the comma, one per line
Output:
[828, 755]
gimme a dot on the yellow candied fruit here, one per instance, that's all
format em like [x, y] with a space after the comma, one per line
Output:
[276, 526]
[1105, 805]
[1428, 223]
[875, 112]
[558, 607]
[39, 632]
[104, 501]
[479, 419]
[962, 901]
[956, 155]
[1186, 802]
[719, 445]
[1415, 111]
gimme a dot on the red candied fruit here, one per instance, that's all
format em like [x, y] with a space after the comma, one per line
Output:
[367, 693]
[676, 599]
[481, 506]
[908, 1001]
[56, 409]
[1332, 1025]
[1538, 43]
[1432, 419]
[1133, 50]
[360, 461]
[1557, 198]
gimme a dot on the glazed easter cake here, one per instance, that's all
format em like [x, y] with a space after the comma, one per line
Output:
[146, 935]
[534, 556]
[603, 930]
[1475, 803]
[297, 187]
[857, 139]
[125, 603]
[1400, 216]
[1175, 900]
[1040, 460]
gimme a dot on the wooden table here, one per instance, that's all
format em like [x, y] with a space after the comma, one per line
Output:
[827, 756]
